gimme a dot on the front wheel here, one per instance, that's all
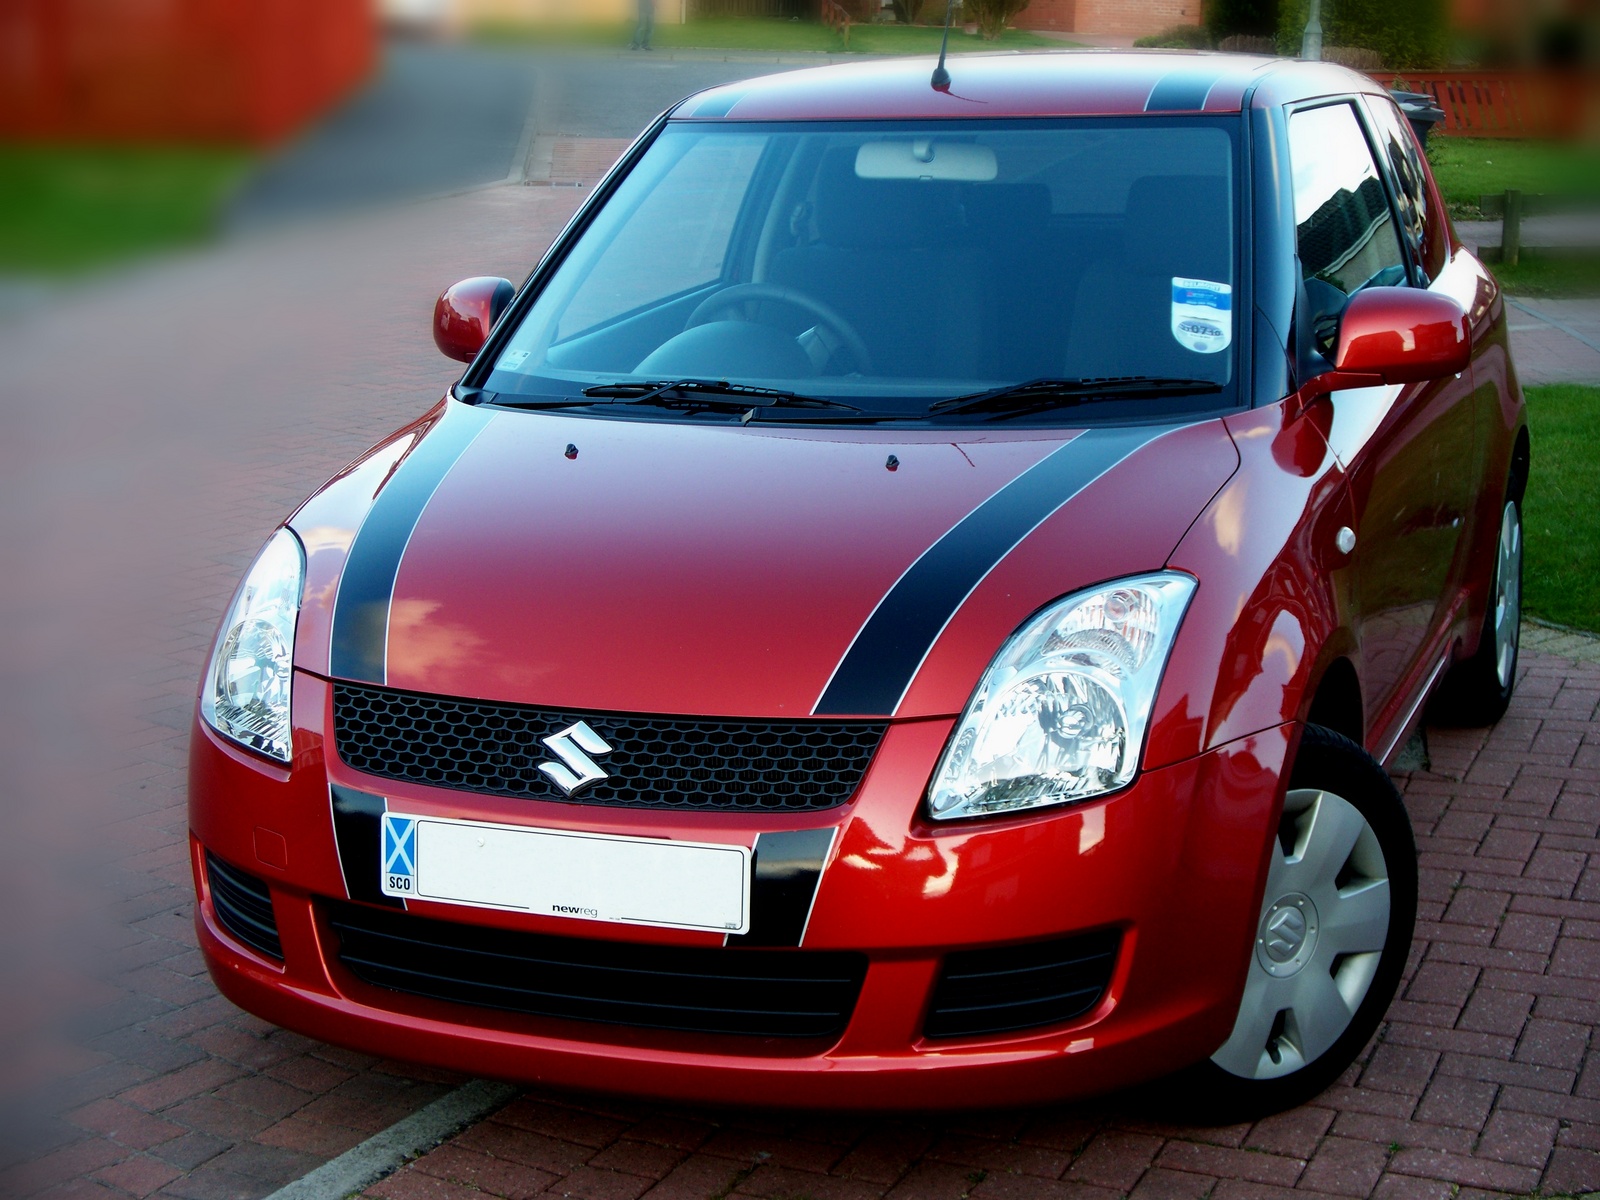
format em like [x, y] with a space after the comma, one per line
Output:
[1331, 942]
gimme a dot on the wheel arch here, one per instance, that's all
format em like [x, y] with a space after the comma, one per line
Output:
[1521, 463]
[1335, 701]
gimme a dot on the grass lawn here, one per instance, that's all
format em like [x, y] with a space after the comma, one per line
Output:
[766, 34]
[1577, 274]
[68, 208]
[1561, 579]
[1468, 168]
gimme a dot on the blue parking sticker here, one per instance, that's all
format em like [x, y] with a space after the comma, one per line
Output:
[399, 855]
[1202, 314]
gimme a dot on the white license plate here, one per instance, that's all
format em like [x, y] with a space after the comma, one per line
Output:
[587, 876]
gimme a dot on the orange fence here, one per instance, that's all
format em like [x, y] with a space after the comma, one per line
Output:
[1505, 104]
[181, 70]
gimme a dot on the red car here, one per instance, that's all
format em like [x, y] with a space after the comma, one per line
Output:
[906, 607]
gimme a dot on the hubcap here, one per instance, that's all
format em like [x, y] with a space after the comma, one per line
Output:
[1322, 931]
[1508, 595]
[1288, 935]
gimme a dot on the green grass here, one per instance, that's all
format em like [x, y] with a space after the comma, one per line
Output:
[1575, 274]
[764, 34]
[1561, 579]
[1468, 168]
[66, 209]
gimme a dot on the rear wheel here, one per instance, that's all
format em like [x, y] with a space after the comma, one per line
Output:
[1332, 938]
[1478, 690]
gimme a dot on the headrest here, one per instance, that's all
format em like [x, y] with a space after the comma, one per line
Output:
[1178, 225]
[1005, 211]
[865, 214]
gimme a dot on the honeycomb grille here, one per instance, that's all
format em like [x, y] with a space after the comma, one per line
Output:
[654, 762]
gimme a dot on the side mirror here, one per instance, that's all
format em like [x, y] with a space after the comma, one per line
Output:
[464, 314]
[1395, 335]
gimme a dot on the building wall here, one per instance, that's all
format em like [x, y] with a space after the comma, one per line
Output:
[554, 11]
[177, 70]
[1129, 18]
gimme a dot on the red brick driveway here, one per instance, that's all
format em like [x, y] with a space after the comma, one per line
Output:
[162, 423]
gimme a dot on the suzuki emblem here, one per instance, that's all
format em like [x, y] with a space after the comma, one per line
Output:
[572, 746]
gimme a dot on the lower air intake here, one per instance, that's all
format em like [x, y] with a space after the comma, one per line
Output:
[243, 906]
[763, 993]
[1008, 988]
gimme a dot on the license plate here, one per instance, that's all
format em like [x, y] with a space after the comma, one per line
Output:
[584, 876]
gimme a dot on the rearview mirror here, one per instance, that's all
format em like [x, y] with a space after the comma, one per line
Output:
[465, 312]
[926, 158]
[1395, 335]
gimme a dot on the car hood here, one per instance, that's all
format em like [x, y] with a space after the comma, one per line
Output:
[669, 567]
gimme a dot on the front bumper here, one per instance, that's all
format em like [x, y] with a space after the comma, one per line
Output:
[1174, 862]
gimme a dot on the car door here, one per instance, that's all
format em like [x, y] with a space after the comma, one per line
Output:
[1405, 449]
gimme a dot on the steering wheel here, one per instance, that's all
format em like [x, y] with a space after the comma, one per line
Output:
[742, 293]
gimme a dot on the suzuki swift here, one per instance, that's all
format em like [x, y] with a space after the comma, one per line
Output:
[907, 606]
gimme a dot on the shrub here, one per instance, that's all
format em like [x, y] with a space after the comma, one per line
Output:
[1178, 37]
[1357, 58]
[1229, 18]
[1408, 35]
[992, 16]
[909, 12]
[1249, 43]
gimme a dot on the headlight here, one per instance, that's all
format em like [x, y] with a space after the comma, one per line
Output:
[245, 694]
[1060, 714]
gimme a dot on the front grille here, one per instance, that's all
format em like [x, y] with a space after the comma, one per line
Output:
[654, 762]
[1019, 987]
[243, 906]
[766, 993]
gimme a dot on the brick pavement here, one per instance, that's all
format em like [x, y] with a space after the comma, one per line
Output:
[1485, 1079]
[162, 422]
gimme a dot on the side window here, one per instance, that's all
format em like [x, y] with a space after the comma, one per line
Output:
[1420, 224]
[1343, 227]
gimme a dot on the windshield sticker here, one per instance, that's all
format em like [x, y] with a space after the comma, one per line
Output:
[511, 360]
[1202, 315]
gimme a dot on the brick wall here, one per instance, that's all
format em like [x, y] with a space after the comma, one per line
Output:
[1132, 18]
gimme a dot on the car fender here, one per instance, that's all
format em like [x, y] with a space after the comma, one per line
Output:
[1271, 610]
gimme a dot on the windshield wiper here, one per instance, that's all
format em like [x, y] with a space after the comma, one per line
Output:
[699, 393]
[1062, 393]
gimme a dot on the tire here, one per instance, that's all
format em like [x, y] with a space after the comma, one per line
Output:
[1476, 691]
[1331, 943]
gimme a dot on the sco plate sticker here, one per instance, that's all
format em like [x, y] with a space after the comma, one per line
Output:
[1202, 315]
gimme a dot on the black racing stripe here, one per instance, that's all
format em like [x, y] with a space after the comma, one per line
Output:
[358, 832]
[783, 883]
[877, 669]
[1181, 91]
[359, 643]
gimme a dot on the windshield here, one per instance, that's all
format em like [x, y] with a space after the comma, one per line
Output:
[889, 266]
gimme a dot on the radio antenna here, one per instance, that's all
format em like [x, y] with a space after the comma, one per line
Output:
[941, 77]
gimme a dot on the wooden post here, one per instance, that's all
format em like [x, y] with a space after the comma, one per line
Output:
[1511, 229]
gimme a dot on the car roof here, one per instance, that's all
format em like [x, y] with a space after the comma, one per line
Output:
[1041, 84]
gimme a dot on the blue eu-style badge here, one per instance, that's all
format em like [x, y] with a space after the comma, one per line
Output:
[399, 855]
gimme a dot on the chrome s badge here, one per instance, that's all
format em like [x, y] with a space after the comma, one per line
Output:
[572, 746]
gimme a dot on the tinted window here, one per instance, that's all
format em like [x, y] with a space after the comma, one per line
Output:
[1419, 223]
[1344, 228]
[892, 264]
[681, 214]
